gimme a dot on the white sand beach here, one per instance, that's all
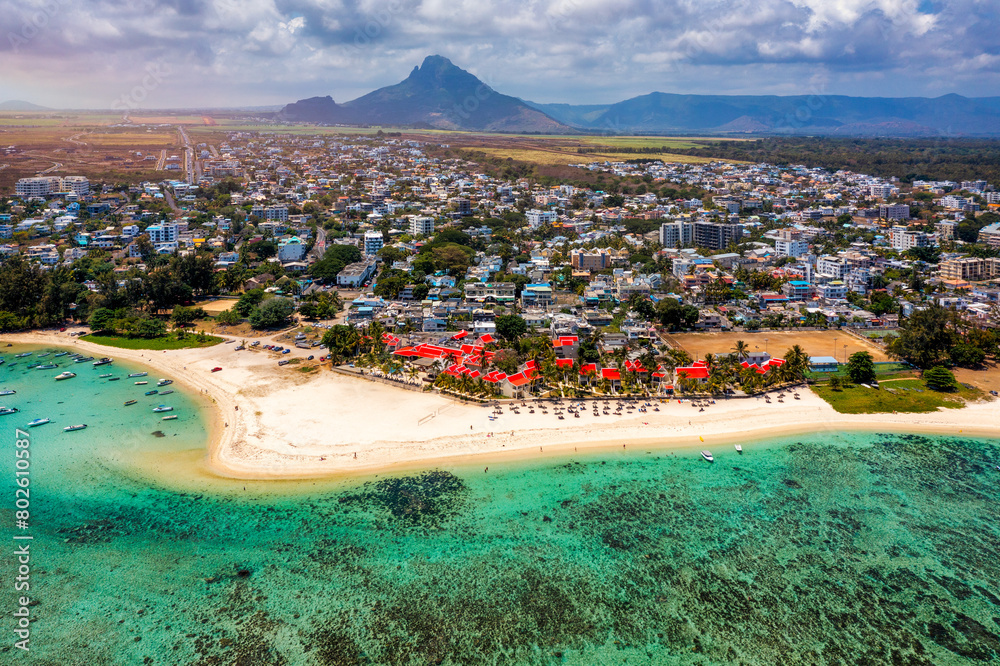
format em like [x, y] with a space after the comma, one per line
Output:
[275, 422]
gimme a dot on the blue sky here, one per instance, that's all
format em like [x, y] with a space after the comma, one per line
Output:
[183, 53]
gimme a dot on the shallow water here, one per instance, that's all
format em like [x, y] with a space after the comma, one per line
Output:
[835, 548]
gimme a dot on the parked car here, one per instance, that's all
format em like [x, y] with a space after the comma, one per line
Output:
[216, 369]
[285, 362]
[255, 343]
[310, 357]
[285, 351]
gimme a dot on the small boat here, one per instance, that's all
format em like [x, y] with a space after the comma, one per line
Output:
[44, 355]
[4, 411]
[113, 379]
[61, 354]
[163, 408]
[153, 392]
[2, 361]
[37, 422]
[141, 383]
[71, 428]
[65, 375]
[8, 392]
[103, 361]
[84, 359]
[22, 355]
[138, 374]
[169, 418]
[739, 448]
[165, 392]
[104, 376]
[707, 455]
[47, 366]
[164, 382]
[130, 402]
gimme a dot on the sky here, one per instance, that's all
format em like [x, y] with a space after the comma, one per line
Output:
[223, 53]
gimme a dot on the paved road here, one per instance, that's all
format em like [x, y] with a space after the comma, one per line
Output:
[189, 162]
[319, 247]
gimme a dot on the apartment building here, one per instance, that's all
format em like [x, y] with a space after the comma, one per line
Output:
[903, 238]
[537, 218]
[373, 242]
[716, 235]
[421, 226]
[969, 269]
[496, 292]
[894, 212]
[597, 260]
[676, 234]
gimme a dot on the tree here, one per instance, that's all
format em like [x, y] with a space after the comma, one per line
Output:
[183, 316]
[835, 383]
[924, 338]
[940, 378]
[248, 301]
[334, 260]
[102, 319]
[742, 350]
[511, 327]
[272, 313]
[861, 368]
[966, 355]
[228, 318]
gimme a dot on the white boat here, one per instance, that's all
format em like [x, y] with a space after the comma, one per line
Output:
[83, 359]
[165, 392]
[164, 382]
[163, 408]
[739, 448]
[104, 376]
[22, 355]
[61, 354]
[4, 411]
[141, 383]
[8, 392]
[71, 428]
[103, 361]
[47, 366]
[138, 374]
[37, 422]
[65, 375]
[707, 455]
[169, 418]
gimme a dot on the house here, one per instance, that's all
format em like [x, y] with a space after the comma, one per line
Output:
[823, 364]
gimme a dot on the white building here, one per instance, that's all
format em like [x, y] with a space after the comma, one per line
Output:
[537, 218]
[291, 249]
[373, 243]
[355, 275]
[38, 187]
[78, 185]
[421, 226]
[791, 248]
[904, 239]
[673, 234]
[162, 233]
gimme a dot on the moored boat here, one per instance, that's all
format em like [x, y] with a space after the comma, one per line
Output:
[79, 426]
[22, 355]
[707, 455]
[61, 354]
[8, 392]
[84, 359]
[164, 382]
[138, 374]
[169, 418]
[141, 383]
[165, 392]
[65, 375]
[163, 408]
[103, 361]
[37, 422]
[739, 448]
[153, 392]
[113, 379]
[47, 366]
[130, 402]
[4, 411]
[104, 376]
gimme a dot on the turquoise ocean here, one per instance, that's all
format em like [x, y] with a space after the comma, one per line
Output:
[833, 548]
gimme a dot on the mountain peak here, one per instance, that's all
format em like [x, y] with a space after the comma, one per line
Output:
[436, 62]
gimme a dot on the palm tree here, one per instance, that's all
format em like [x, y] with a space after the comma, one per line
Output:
[742, 350]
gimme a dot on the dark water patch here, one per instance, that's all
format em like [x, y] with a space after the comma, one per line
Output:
[427, 499]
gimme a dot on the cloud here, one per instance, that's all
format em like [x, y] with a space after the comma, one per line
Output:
[231, 52]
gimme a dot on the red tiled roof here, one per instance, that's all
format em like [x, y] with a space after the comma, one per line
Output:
[459, 335]
[590, 367]
[611, 373]
[564, 362]
[518, 380]
[486, 339]
[694, 372]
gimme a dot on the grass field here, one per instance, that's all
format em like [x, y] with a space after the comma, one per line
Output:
[815, 343]
[904, 395]
[168, 342]
[556, 157]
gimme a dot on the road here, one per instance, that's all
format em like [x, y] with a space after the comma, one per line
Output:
[319, 247]
[189, 162]
[160, 163]
[169, 197]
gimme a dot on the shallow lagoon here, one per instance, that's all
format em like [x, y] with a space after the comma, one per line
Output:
[834, 548]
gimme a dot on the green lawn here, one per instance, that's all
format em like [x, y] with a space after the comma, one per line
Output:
[882, 371]
[169, 341]
[894, 396]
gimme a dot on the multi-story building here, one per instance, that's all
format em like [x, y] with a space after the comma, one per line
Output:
[597, 260]
[291, 249]
[835, 290]
[41, 186]
[421, 226]
[162, 233]
[538, 218]
[946, 229]
[676, 234]
[373, 242]
[356, 274]
[496, 292]
[537, 295]
[462, 206]
[905, 239]
[791, 248]
[990, 235]
[830, 266]
[894, 212]
[969, 269]
[716, 235]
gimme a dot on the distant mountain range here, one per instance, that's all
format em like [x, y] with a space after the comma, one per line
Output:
[19, 105]
[438, 94]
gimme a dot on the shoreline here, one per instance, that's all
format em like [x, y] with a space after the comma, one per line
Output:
[292, 426]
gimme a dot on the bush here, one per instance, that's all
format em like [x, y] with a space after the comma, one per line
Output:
[272, 313]
[228, 318]
[940, 379]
